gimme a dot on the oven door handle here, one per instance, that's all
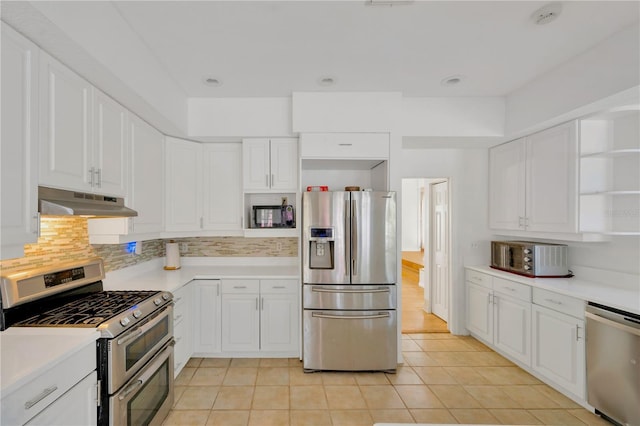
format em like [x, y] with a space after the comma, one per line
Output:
[350, 317]
[130, 389]
[143, 328]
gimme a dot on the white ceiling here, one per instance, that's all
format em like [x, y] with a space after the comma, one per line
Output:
[271, 49]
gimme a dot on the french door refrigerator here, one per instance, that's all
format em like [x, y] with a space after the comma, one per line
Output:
[349, 276]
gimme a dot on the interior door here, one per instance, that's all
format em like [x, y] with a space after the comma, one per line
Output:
[373, 237]
[440, 250]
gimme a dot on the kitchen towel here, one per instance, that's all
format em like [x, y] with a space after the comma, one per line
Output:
[172, 257]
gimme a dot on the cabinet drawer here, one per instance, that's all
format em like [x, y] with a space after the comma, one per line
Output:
[278, 286]
[240, 286]
[559, 302]
[479, 278]
[513, 289]
[345, 145]
[27, 401]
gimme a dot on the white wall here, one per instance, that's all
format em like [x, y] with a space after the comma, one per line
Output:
[237, 117]
[410, 214]
[611, 67]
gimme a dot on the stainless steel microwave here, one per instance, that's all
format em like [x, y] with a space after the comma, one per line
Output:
[530, 259]
[280, 216]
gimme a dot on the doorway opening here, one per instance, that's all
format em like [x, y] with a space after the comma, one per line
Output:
[425, 255]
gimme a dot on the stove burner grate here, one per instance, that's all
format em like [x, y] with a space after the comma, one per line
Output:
[89, 311]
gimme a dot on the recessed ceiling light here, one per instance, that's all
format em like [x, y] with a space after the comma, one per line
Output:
[326, 81]
[547, 13]
[452, 80]
[212, 81]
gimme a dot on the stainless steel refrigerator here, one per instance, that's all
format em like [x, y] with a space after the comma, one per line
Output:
[349, 276]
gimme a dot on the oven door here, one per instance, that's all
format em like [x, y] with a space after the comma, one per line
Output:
[147, 398]
[128, 352]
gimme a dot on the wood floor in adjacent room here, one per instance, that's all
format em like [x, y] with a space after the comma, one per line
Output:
[414, 318]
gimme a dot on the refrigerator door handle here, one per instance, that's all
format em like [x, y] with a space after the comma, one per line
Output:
[327, 316]
[354, 238]
[347, 253]
[329, 290]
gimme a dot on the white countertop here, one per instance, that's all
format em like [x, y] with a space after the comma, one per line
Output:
[627, 299]
[27, 352]
[152, 276]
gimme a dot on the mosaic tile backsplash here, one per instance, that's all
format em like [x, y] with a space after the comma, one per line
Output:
[66, 238]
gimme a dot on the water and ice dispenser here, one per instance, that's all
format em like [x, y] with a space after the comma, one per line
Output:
[321, 248]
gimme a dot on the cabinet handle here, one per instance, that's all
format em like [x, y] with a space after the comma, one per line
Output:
[177, 318]
[42, 395]
[37, 224]
[345, 144]
[510, 289]
[555, 302]
[273, 178]
[578, 333]
[262, 303]
[239, 286]
[278, 286]
[99, 178]
[218, 290]
[489, 299]
[257, 307]
[178, 340]
[91, 176]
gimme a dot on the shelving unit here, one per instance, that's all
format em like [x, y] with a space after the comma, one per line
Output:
[610, 172]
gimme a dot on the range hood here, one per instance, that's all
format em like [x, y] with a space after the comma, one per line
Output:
[61, 202]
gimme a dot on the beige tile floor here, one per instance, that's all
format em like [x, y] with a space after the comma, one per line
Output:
[445, 379]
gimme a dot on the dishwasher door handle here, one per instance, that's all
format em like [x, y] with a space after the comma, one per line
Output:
[614, 324]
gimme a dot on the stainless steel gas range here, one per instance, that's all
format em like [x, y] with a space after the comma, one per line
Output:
[135, 351]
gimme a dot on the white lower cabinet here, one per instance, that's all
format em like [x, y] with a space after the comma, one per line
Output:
[541, 330]
[499, 312]
[182, 311]
[260, 316]
[206, 326]
[77, 407]
[559, 348]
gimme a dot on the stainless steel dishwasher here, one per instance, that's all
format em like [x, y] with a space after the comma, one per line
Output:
[613, 363]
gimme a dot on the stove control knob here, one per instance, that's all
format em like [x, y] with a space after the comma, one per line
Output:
[527, 267]
[157, 301]
[527, 259]
[125, 321]
[137, 313]
[165, 296]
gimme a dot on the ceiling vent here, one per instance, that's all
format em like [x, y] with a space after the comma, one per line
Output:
[547, 13]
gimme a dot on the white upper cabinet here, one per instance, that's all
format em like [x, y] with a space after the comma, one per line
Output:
[533, 183]
[110, 154]
[19, 145]
[552, 180]
[507, 185]
[147, 176]
[83, 137]
[222, 201]
[184, 185]
[270, 165]
[203, 186]
[66, 148]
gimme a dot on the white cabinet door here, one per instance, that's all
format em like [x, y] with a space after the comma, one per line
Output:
[512, 327]
[256, 170]
[207, 324]
[270, 165]
[507, 185]
[279, 322]
[76, 407]
[18, 143]
[552, 195]
[222, 197]
[111, 146]
[184, 185]
[240, 322]
[66, 139]
[147, 176]
[284, 165]
[559, 349]
[480, 311]
[182, 311]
